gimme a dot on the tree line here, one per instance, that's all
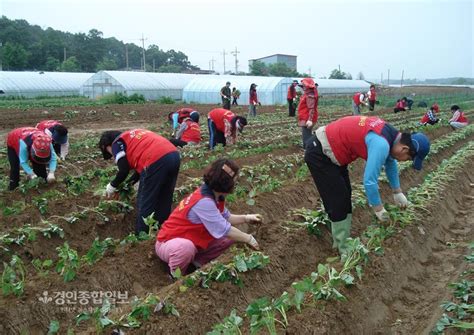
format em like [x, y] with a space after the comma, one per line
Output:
[29, 47]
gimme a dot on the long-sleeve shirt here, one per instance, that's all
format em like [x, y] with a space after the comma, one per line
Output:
[431, 115]
[378, 155]
[24, 158]
[174, 117]
[181, 130]
[456, 116]
[205, 212]
[253, 99]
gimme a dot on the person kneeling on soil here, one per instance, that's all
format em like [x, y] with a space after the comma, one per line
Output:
[30, 144]
[401, 106]
[59, 135]
[156, 163]
[459, 120]
[335, 146]
[430, 116]
[223, 126]
[201, 227]
[189, 131]
[176, 118]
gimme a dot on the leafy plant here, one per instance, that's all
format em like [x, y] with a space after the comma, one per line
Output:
[229, 326]
[42, 267]
[68, 262]
[99, 315]
[13, 277]
[97, 250]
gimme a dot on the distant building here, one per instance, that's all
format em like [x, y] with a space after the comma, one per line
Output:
[289, 60]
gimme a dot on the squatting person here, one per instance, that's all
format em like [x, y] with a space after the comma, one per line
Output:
[223, 126]
[59, 134]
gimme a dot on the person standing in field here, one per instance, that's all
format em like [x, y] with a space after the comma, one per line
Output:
[58, 133]
[291, 98]
[226, 96]
[335, 146]
[189, 131]
[430, 116]
[223, 126]
[235, 96]
[30, 145]
[372, 97]
[308, 108]
[253, 100]
[358, 100]
[458, 120]
[156, 163]
[201, 227]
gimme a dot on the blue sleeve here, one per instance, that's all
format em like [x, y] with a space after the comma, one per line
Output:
[175, 120]
[391, 170]
[54, 161]
[377, 154]
[24, 157]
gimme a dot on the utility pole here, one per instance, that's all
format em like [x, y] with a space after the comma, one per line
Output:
[126, 57]
[153, 65]
[211, 64]
[401, 83]
[143, 39]
[381, 78]
[223, 54]
[388, 78]
[1, 57]
[64, 54]
[309, 71]
[234, 53]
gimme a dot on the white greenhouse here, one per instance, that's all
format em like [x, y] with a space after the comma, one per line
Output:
[151, 85]
[33, 84]
[205, 89]
[340, 86]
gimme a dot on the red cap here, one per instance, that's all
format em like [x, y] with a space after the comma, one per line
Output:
[435, 107]
[308, 82]
[41, 148]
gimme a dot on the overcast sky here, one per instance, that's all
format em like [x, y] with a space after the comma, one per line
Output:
[426, 39]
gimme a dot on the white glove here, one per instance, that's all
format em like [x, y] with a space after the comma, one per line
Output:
[382, 215]
[63, 158]
[253, 242]
[51, 178]
[136, 186]
[253, 218]
[400, 200]
[32, 176]
[110, 190]
[309, 124]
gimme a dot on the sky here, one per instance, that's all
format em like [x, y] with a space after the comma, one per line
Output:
[422, 38]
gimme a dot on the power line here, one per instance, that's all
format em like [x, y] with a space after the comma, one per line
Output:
[235, 53]
[143, 45]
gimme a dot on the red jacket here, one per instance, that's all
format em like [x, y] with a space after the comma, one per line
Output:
[308, 106]
[14, 137]
[47, 124]
[401, 104]
[178, 224]
[373, 95]
[346, 136]
[144, 148]
[356, 98]
[253, 98]
[218, 115]
[192, 132]
[291, 92]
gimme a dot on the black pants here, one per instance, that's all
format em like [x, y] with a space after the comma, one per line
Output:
[291, 107]
[215, 136]
[38, 169]
[234, 101]
[371, 105]
[396, 110]
[178, 143]
[155, 193]
[226, 103]
[57, 149]
[332, 181]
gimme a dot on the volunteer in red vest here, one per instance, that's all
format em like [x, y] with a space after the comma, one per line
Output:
[335, 146]
[401, 105]
[253, 100]
[30, 145]
[430, 116]
[156, 163]
[372, 97]
[201, 227]
[459, 120]
[291, 98]
[176, 118]
[58, 133]
[189, 131]
[308, 108]
[358, 100]
[223, 126]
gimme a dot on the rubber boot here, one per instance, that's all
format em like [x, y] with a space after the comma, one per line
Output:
[341, 230]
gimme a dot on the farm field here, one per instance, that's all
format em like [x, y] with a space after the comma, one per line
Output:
[66, 238]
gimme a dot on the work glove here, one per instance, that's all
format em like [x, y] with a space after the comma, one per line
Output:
[400, 200]
[63, 158]
[136, 186]
[51, 178]
[253, 218]
[32, 176]
[309, 124]
[253, 243]
[382, 215]
[110, 191]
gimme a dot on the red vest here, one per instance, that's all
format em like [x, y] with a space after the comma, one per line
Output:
[184, 113]
[346, 136]
[303, 110]
[144, 148]
[356, 98]
[14, 137]
[373, 95]
[425, 119]
[462, 117]
[178, 224]
[400, 104]
[46, 124]
[192, 132]
[291, 92]
[218, 115]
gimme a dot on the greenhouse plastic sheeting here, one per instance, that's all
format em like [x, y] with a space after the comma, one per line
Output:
[205, 89]
[340, 86]
[150, 84]
[32, 84]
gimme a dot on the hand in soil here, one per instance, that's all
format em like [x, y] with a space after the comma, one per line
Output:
[254, 218]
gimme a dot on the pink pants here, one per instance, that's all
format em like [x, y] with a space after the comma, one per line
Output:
[180, 252]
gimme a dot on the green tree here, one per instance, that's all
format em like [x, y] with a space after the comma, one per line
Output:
[14, 57]
[52, 64]
[258, 68]
[281, 70]
[106, 64]
[70, 65]
[171, 68]
[338, 74]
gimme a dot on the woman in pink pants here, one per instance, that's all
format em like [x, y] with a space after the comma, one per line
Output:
[201, 228]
